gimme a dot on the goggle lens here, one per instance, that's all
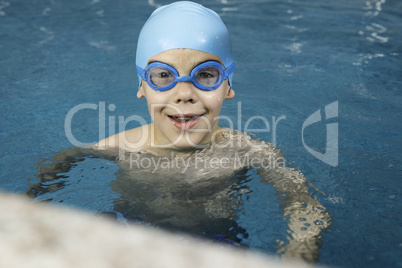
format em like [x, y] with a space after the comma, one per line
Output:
[209, 76]
[160, 77]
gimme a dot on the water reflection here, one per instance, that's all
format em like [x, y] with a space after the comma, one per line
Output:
[200, 200]
[3, 5]
[373, 7]
[204, 209]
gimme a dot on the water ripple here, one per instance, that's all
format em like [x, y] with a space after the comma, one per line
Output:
[3, 5]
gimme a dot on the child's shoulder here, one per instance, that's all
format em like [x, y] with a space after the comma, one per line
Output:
[130, 140]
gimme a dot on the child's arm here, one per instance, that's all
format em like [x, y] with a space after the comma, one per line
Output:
[307, 217]
[109, 148]
[61, 162]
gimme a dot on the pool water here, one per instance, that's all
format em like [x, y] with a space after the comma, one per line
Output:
[293, 58]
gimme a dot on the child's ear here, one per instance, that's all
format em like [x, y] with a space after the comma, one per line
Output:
[140, 93]
[230, 94]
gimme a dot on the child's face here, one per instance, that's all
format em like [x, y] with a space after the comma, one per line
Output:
[184, 116]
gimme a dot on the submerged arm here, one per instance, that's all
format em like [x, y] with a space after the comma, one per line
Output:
[61, 162]
[307, 217]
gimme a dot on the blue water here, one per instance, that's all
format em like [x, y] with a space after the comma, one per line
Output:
[293, 58]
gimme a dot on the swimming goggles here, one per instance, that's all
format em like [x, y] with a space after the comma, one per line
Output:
[206, 76]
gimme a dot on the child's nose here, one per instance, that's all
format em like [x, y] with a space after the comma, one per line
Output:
[184, 92]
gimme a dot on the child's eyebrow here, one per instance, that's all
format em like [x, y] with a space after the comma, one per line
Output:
[196, 64]
[208, 60]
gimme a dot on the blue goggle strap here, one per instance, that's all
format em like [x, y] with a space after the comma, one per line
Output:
[230, 69]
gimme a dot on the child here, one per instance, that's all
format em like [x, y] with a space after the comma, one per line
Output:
[185, 68]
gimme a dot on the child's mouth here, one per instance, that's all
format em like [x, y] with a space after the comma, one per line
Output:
[184, 121]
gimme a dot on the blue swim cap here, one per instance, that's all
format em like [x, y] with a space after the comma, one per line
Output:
[184, 24]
